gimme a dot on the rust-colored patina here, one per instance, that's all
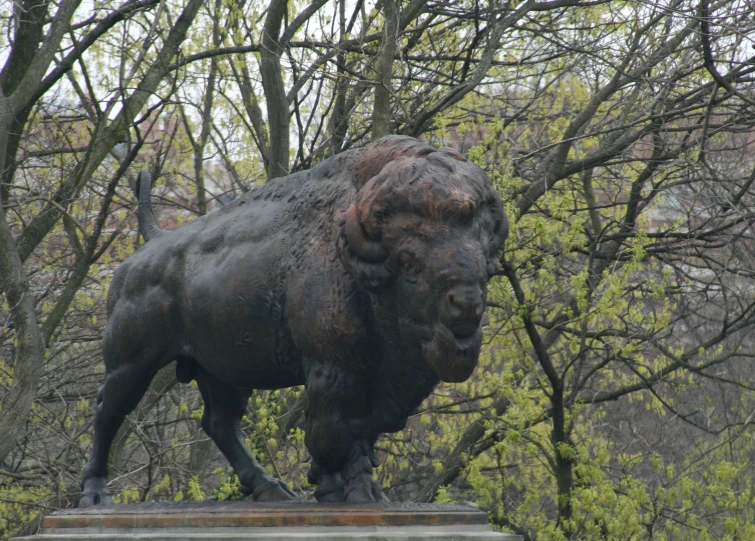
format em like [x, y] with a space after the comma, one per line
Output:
[264, 515]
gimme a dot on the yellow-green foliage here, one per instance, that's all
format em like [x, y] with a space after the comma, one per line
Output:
[19, 503]
[622, 382]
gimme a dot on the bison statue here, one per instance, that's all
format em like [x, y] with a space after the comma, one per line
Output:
[363, 279]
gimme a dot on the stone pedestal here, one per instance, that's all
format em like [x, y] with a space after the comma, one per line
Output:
[242, 520]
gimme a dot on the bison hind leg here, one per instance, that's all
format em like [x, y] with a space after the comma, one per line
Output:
[118, 397]
[224, 406]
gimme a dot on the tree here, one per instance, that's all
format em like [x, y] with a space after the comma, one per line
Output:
[25, 79]
[622, 282]
[613, 398]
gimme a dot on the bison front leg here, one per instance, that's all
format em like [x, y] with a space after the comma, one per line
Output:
[329, 485]
[338, 436]
[223, 408]
[354, 483]
[359, 485]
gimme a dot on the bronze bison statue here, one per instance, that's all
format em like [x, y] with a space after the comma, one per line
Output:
[363, 279]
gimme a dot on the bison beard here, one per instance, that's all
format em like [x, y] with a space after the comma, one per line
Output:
[362, 279]
[452, 359]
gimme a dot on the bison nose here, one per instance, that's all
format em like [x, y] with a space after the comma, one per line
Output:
[462, 310]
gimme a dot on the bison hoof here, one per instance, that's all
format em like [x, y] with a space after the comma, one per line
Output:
[378, 494]
[273, 491]
[95, 492]
[364, 489]
[333, 496]
[330, 489]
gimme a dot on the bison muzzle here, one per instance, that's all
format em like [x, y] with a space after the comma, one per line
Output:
[363, 279]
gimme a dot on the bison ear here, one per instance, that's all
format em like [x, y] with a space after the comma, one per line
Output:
[363, 257]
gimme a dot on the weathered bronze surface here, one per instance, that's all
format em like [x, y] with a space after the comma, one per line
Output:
[263, 514]
[364, 278]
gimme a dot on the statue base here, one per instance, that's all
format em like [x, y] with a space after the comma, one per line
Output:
[243, 520]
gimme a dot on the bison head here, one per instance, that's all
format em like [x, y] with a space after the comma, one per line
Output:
[423, 236]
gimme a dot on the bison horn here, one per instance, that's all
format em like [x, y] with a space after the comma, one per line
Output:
[360, 243]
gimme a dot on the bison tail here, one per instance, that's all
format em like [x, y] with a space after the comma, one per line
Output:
[147, 224]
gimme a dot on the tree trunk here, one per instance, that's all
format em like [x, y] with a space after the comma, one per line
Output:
[14, 96]
[29, 347]
[381, 115]
[26, 64]
[563, 460]
[275, 94]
